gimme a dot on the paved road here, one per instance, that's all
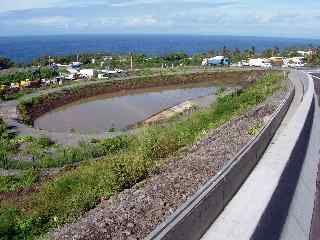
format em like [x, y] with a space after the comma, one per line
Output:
[238, 219]
[315, 230]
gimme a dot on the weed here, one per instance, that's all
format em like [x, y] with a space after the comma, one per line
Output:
[256, 128]
[14, 183]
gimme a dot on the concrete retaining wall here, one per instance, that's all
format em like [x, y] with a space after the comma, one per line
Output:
[299, 215]
[192, 219]
[276, 201]
[288, 214]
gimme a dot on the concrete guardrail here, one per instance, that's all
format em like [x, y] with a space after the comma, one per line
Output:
[192, 219]
[278, 197]
[288, 214]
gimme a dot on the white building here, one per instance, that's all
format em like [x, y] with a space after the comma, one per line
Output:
[72, 71]
[89, 73]
[305, 53]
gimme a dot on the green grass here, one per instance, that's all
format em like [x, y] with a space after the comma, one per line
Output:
[7, 146]
[47, 155]
[14, 183]
[128, 161]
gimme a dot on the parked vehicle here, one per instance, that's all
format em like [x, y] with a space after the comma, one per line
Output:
[260, 62]
[25, 84]
[103, 76]
[245, 63]
[294, 62]
[76, 64]
[277, 61]
[215, 61]
[71, 76]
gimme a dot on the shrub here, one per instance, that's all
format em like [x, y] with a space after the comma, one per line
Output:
[116, 144]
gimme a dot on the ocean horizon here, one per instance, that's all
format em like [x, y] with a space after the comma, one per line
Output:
[23, 49]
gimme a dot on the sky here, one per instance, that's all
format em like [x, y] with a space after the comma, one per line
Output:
[275, 18]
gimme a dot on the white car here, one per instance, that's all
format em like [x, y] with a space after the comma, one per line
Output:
[70, 77]
[293, 65]
[266, 65]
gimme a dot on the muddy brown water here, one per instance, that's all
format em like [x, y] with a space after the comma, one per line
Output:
[119, 110]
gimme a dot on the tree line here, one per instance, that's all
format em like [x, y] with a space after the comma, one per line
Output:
[5, 63]
[32, 74]
[108, 60]
[176, 58]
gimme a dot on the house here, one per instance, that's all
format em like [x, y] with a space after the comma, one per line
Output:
[305, 53]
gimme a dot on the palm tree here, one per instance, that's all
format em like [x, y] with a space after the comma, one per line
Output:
[211, 53]
[253, 51]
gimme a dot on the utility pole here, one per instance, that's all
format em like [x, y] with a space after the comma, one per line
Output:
[131, 61]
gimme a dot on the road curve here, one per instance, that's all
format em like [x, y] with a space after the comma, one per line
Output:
[277, 199]
[315, 229]
[194, 217]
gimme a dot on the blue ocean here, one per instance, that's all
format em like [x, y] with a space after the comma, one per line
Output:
[24, 49]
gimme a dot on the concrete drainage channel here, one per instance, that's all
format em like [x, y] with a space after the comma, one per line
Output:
[284, 206]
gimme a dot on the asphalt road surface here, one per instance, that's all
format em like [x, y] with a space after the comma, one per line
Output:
[315, 229]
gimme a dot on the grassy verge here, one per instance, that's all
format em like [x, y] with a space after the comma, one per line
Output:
[17, 95]
[45, 154]
[133, 159]
[14, 183]
[7, 147]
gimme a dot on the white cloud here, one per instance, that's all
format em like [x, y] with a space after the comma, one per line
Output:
[287, 17]
[134, 2]
[142, 21]
[175, 16]
[16, 5]
[53, 21]
[131, 21]
[13, 5]
[264, 19]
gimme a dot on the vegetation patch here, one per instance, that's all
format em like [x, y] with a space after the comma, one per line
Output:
[14, 183]
[32, 74]
[127, 161]
[254, 130]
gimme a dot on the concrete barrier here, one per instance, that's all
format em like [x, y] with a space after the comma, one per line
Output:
[192, 219]
[288, 214]
[277, 199]
[276, 215]
[304, 161]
